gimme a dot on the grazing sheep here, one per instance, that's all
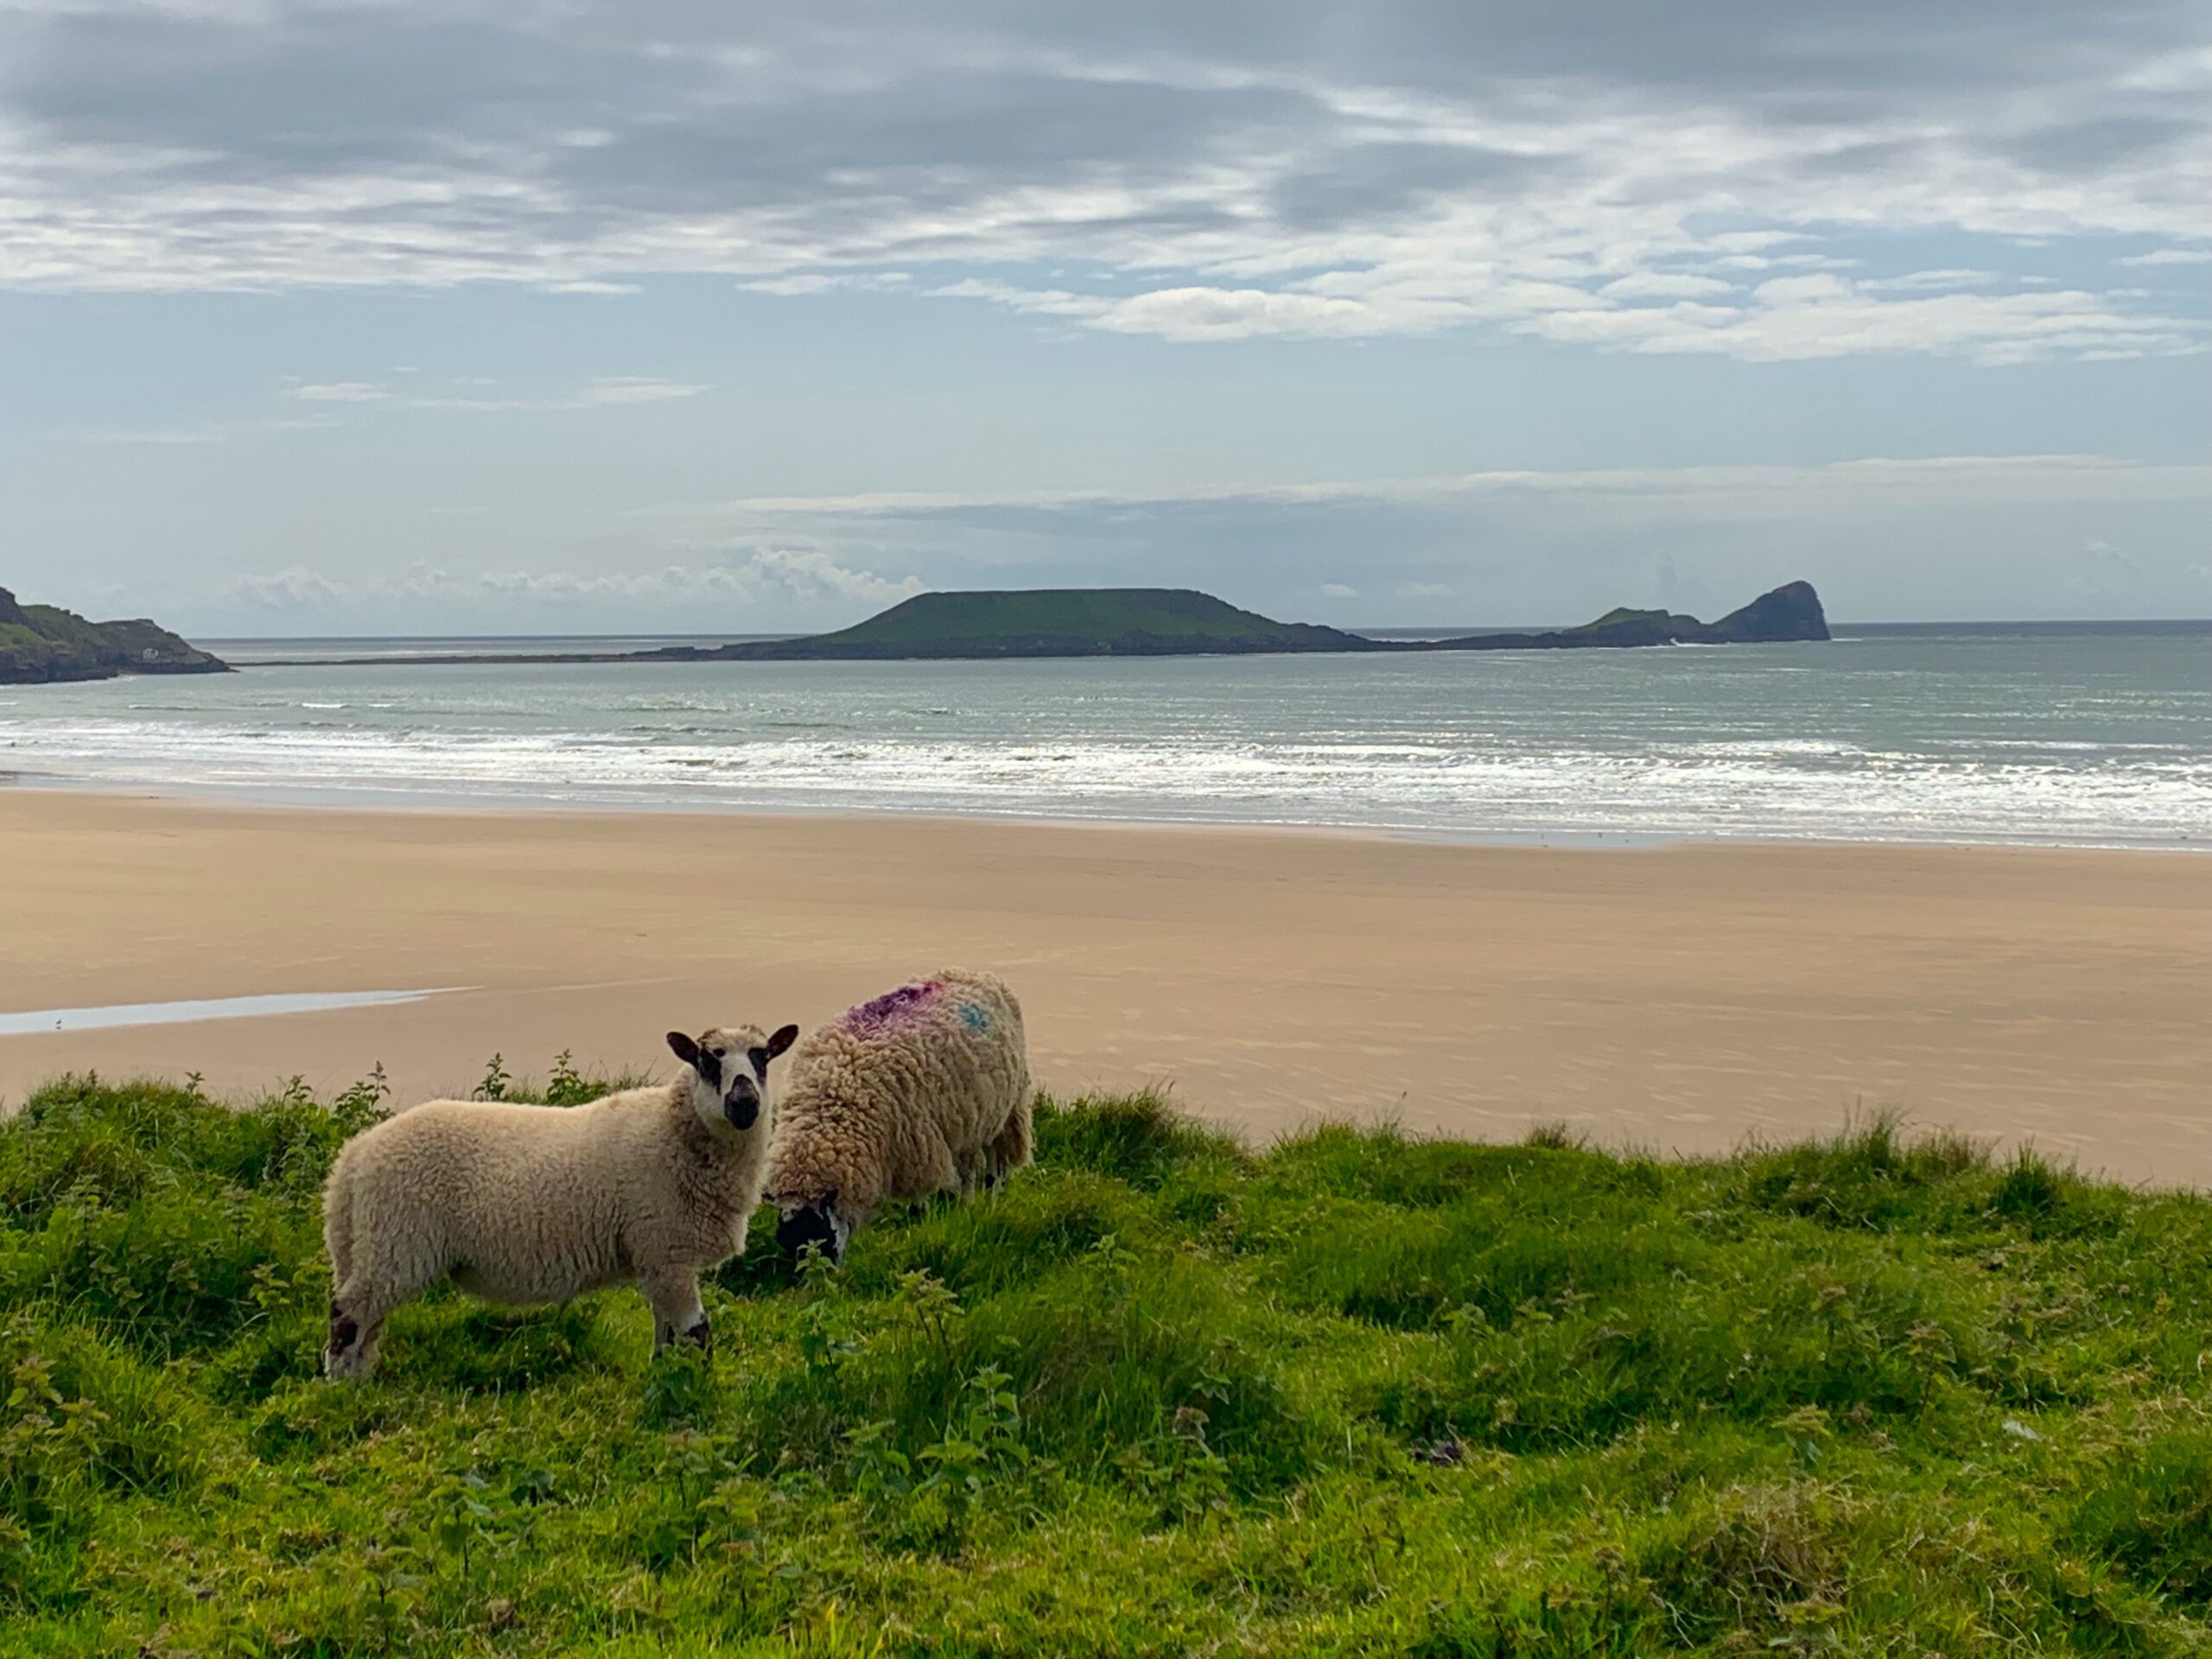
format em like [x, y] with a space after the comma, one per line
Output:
[540, 1203]
[924, 1089]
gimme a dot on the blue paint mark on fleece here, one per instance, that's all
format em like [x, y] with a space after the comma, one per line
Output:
[977, 1019]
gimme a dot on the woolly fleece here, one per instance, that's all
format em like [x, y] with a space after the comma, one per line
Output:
[922, 1090]
[541, 1203]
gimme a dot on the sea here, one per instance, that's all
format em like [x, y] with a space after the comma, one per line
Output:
[2090, 734]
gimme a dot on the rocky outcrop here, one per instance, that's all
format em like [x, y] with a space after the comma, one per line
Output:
[40, 644]
[1790, 613]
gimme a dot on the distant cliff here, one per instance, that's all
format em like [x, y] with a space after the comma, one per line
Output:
[1790, 613]
[42, 643]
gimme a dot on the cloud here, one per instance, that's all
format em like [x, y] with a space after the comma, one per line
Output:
[295, 588]
[807, 574]
[803, 575]
[608, 392]
[1932, 481]
[615, 390]
[1967, 536]
[1665, 285]
[1963, 535]
[605, 392]
[2105, 572]
[2170, 257]
[194, 432]
[1236, 314]
[1827, 316]
[818, 281]
[1806, 311]
[1249, 170]
[341, 392]
[1916, 281]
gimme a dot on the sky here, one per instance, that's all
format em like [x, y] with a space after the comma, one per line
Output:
[675, 315]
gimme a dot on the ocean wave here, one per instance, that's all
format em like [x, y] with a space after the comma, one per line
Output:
[1738, 788]
[2089, 742]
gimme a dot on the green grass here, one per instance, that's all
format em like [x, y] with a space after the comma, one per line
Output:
[1354, 1395]
[37, 641]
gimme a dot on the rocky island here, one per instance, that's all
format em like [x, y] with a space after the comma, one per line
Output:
[1048, 622]
[43, 643]
[984, 623]
[1791, 612]
[1182, 622]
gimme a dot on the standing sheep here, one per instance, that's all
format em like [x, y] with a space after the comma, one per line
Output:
[924, 1089]
[540, 1203]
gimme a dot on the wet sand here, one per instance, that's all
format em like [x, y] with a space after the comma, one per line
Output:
[1680, 998]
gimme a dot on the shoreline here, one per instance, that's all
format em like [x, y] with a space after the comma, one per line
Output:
[405, 803]
[1682, 997]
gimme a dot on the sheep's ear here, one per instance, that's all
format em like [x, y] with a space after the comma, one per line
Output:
[782, 1040]
[683, 1048]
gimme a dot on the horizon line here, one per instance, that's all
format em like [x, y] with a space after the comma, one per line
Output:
[1371, 627]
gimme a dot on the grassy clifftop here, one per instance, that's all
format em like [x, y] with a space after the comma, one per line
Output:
[1353, 1394]
[1063, 622]
[44, 642]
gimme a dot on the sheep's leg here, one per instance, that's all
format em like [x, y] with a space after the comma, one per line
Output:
[358, 1311]
[371, 1339]
[678, 1315]
[388, 1266]
[342, 1351]
[1013, 1148]
[946, 1173]
[337, 1234]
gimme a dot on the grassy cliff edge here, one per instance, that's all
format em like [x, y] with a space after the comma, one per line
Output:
[1161, 1395]
[42, 643]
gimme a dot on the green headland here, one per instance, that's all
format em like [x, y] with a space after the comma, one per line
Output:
[41, 643]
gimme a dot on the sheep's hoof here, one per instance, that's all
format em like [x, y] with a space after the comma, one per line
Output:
[699, 1336]
[341, 1356]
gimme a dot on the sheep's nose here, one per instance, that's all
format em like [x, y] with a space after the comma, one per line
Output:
[742, 1104]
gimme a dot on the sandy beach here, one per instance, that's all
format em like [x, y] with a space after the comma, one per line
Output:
[1679, 998]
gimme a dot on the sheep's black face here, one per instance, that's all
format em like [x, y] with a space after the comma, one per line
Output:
[721, 1072]
[818, 1224]
[732, 1078]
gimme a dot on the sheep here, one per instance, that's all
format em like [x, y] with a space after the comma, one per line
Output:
[540, 1203]
[924, 1089]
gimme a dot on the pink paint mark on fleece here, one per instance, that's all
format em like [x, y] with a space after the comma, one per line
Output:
[891, 1010]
